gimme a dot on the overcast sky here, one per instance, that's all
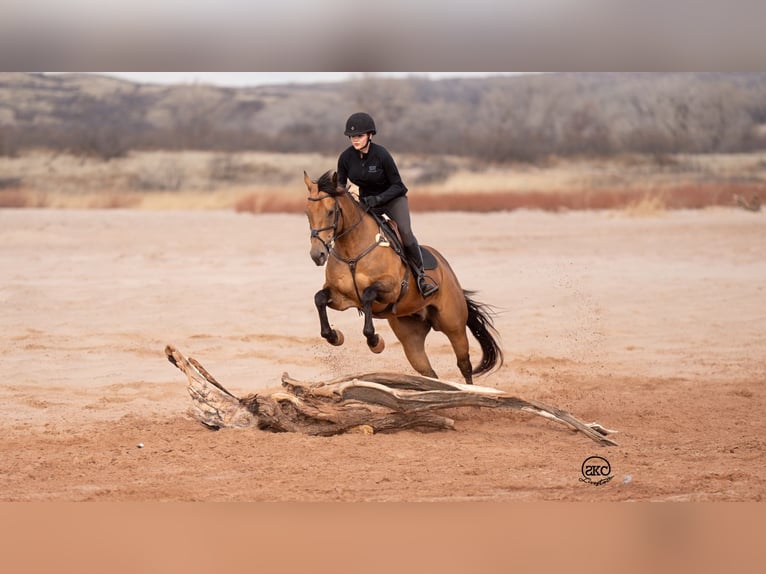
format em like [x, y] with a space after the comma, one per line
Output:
[241, 79]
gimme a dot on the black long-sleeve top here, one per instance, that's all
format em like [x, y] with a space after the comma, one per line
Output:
[375, 173]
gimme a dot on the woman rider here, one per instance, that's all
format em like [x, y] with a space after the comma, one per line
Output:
[370, 167]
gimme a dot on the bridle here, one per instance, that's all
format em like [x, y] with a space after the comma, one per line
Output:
[315, 232]
[330, 245]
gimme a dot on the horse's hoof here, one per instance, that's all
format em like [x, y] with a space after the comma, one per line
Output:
[338, 340]
[379, 346]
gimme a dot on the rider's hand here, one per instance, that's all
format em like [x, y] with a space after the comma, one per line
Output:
[371, 201]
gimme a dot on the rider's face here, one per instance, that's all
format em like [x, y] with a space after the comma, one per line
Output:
[360, 141]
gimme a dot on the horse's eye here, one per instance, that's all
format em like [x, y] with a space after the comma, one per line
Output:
[331, 212]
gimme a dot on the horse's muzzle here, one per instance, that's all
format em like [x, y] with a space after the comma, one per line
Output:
[319, 256]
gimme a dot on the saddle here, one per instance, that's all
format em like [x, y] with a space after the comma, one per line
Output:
[391, 231]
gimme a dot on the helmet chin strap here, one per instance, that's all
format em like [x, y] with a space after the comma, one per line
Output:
[367, 146]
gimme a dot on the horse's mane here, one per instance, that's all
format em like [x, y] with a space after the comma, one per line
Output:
[326, 184]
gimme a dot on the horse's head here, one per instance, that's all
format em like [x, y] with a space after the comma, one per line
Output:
[323, 212]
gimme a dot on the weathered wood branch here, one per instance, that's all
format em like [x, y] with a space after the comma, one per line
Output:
[370, 402]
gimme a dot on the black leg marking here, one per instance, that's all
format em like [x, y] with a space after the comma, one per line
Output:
[368, 297]
[321, 299]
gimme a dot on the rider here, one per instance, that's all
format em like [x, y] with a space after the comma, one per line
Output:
[369, 166]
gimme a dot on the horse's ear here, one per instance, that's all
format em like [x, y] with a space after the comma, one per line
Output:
[307, 180]
[335, 179]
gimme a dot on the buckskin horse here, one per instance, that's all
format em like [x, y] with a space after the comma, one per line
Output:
[365, 273]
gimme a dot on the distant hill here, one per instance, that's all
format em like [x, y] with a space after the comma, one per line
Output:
[495, 119]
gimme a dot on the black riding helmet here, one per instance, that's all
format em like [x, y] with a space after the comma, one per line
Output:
[360, 123]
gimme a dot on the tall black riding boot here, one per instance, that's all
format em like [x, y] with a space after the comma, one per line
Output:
[426, 285]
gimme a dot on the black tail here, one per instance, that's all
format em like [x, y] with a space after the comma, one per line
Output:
[482, 326]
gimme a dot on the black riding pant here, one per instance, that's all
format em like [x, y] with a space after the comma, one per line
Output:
[399, 210]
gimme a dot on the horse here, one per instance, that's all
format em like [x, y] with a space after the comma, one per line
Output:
[363, 272]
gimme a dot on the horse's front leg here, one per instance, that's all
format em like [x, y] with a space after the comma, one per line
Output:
[333, 336]
[374, 341]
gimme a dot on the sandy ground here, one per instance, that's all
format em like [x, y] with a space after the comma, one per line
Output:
[653, 326]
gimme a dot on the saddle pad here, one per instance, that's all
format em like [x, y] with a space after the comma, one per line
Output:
[429, 261]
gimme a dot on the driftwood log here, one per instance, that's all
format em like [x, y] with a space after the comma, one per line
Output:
[368, 403]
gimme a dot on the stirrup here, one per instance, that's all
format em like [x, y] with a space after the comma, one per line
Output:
[425, 287]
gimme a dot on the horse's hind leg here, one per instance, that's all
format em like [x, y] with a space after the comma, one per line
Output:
[333, 336]
[374, 341]
[411, 332]
[459, 341]
[451, 320]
